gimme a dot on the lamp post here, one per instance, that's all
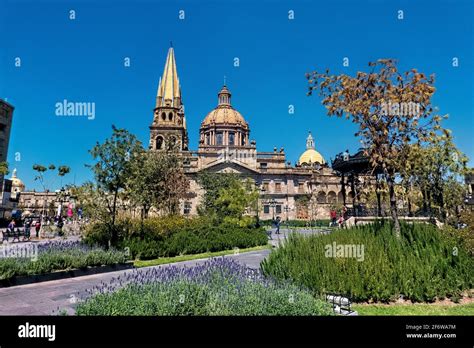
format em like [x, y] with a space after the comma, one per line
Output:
[272, 203]
[261, 190]
[287, 210]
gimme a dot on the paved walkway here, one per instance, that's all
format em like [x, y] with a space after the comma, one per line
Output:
[46, 298]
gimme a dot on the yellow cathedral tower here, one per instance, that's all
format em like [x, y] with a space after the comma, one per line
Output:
[168, 129]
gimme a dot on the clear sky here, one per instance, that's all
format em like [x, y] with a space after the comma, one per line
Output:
[82, 60]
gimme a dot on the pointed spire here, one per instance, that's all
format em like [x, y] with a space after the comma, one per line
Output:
[169, 88]
[309, 141]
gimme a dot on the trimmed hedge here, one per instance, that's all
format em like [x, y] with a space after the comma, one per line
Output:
[423, 265]
[172, 236]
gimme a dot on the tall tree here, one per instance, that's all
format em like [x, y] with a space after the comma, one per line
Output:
[158, 181]
[227, 198]
[391, 110]
[113, 169]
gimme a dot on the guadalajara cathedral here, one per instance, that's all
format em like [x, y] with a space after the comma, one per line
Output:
[225, 147]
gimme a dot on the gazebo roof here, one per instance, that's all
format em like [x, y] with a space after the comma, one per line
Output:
[352, 164]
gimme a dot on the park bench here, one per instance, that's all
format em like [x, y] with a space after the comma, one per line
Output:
[16, 233]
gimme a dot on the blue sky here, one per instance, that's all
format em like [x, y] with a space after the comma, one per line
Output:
[82, 60]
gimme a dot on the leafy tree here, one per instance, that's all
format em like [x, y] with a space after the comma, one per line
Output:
[4, 168]
[112, 170]
[376, 102]
[40, 176]
[227, 198]
[157, 180]
[212, 183]
[41, 170]
[234, 201]
[435, 170]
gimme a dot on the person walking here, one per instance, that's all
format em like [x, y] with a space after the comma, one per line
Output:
[37, 227]
[277, 225]
[333, 215]
[27, 229]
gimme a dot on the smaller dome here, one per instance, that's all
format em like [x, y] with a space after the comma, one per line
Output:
[310, 157]
[17, 184]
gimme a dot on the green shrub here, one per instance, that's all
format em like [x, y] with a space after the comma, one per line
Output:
[176, 235]
[423, 265]
[195, 239]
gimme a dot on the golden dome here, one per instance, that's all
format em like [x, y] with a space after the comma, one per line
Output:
[311, 156]
[17, 184]
[224, 115]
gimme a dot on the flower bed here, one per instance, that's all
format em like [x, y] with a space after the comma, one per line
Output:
[218, 287]
[42, 258]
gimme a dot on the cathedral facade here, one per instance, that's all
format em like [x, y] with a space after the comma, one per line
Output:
[306, 190]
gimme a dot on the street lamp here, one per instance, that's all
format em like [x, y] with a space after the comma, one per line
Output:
[261, 190]
[272, 203]
[287, 210]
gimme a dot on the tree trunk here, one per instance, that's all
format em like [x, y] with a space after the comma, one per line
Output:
[407, 191]
[142, 218]
[425, 200]
[377, 192]
[114, 236]
[393, 205]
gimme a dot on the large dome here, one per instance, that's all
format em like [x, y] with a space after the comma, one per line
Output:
[224, 126]
[224, 115]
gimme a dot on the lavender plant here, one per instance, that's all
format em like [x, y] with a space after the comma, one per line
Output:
[28, 259]
[220, 286]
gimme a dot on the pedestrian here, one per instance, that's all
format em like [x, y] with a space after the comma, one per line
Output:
[27, 229]
[37, 228]
[277, 225]
[11, 225]
[333, 215]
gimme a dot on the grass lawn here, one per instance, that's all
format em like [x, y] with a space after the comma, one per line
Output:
[414, 309]
[165, 260]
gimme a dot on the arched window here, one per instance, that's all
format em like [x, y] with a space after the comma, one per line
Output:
[159, 142]
[163, 116]
[332, 197]
[340, 198]
[321, 197]
[172, 142]
[170, 116]
[219, 138]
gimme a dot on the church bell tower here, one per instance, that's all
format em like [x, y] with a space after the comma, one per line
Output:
[168, 129]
